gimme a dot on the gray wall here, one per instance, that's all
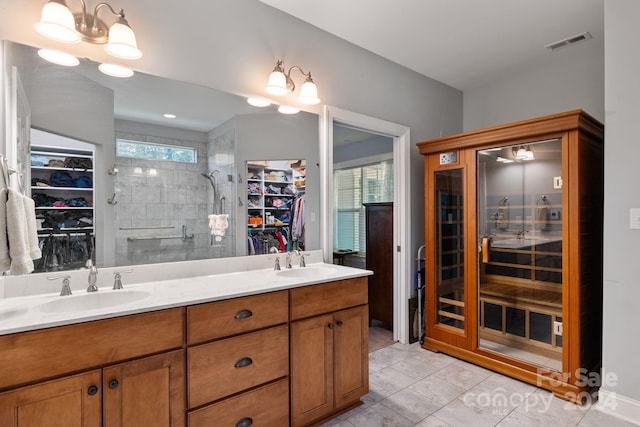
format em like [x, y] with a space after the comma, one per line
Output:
[279, 137]
[371, 147]
[575, 80]
[621, 344]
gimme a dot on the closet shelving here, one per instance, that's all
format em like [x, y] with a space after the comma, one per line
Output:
[268, 200]
[41, 169]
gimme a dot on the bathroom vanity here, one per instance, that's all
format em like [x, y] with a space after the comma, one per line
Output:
[513, 227]
[290, 350]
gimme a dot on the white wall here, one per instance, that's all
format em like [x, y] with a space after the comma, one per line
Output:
[621, 344]
[575, 80]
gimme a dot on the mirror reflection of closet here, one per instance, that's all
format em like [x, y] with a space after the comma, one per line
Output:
[61, 183]
[275, 206]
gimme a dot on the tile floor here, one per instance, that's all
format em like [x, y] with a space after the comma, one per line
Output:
[410, 386]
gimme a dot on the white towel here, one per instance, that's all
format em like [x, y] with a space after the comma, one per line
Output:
[32, 228]
[5, 259]
[218, 225]
[19, 250]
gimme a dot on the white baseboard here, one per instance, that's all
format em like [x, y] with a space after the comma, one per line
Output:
[619, 406]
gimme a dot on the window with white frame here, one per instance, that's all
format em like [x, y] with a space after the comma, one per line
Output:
[153, 151]
[352, 187]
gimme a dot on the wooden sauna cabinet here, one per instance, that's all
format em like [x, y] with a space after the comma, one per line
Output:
[379, 238]
[463, 285]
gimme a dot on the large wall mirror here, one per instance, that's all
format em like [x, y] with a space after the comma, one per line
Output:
[154, 181]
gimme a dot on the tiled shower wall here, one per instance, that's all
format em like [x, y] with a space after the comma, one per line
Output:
[176, 195]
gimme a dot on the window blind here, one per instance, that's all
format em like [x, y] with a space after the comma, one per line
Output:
[353, 187]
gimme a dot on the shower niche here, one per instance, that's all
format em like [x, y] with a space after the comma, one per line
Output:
[514, 249]
[275, 206]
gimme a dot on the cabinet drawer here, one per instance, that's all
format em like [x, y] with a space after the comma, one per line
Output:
[37, 355]
[267, 406]
[231, 365]
[312, 300]
[221, 319]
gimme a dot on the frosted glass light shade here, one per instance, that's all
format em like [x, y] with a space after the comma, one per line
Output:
[287, 109]
[309, 93]
[57, 23]
[114, 70]
[258, 102]
[58, 57]
[277, 83]
[122, 42]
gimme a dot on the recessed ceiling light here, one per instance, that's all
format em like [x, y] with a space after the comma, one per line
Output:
[259, 102]
[114, 70]
[58, 57]
[169, 116]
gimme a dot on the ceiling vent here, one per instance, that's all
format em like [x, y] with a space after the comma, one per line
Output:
[569, 41]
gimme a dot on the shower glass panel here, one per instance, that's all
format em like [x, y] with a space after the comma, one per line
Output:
[449, 248]
[520, 266]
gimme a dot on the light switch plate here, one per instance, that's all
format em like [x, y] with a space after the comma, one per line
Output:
[634, 218]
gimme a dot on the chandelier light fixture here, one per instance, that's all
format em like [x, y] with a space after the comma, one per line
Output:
[58, 23]
[523, 153]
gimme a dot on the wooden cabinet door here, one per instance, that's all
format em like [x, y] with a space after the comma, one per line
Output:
[74, 401]
[351, 355]
[311, 369]
[146, 392]
[379, 239]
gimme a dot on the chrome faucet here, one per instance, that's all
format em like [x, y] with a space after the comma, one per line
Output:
[301, 255]
[66, 288]
[276, 265]
[520, 234]
[117, 279]
[93, 277]
[287, 263]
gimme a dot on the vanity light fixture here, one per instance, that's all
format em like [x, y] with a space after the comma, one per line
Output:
[287, 109]
[258, 102]
[58, 57]
[280, 83]
[115, 70]
[169, 116]
[523, 153]
[58, 23]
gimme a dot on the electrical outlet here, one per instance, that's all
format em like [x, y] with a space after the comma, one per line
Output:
[557, 328]
[634, 218]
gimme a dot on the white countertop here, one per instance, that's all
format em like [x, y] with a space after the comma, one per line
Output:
[29, 312]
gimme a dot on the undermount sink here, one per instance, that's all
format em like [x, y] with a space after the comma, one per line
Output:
[92, 301]
[10, 313]
[308, 272]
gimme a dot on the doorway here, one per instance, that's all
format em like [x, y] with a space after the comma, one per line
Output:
[401, 257]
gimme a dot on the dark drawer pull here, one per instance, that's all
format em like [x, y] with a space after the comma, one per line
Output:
[330, 326]
[113, 384]
[244, 314]
[245, 422]
[244, 362]
[93, 389]
[339, 323]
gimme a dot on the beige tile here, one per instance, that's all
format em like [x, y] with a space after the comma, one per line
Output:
[596, 418]
[410, 404]
[458, 413]
[378, 416]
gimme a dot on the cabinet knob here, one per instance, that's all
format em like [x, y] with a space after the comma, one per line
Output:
[245, 422]
[339, 323]
[330, 326]
[244, 314]
[92, 390]
[244, 362]
[113, 384]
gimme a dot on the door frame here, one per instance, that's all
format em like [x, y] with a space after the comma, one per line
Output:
[402, 261]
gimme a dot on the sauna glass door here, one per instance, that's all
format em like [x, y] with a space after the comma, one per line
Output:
[449, 248]
[519, 217]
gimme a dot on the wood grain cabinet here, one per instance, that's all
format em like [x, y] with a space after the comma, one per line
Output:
[379, 239]
[144, 391]
[513, 238]
[329, 349]
[238, 365]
